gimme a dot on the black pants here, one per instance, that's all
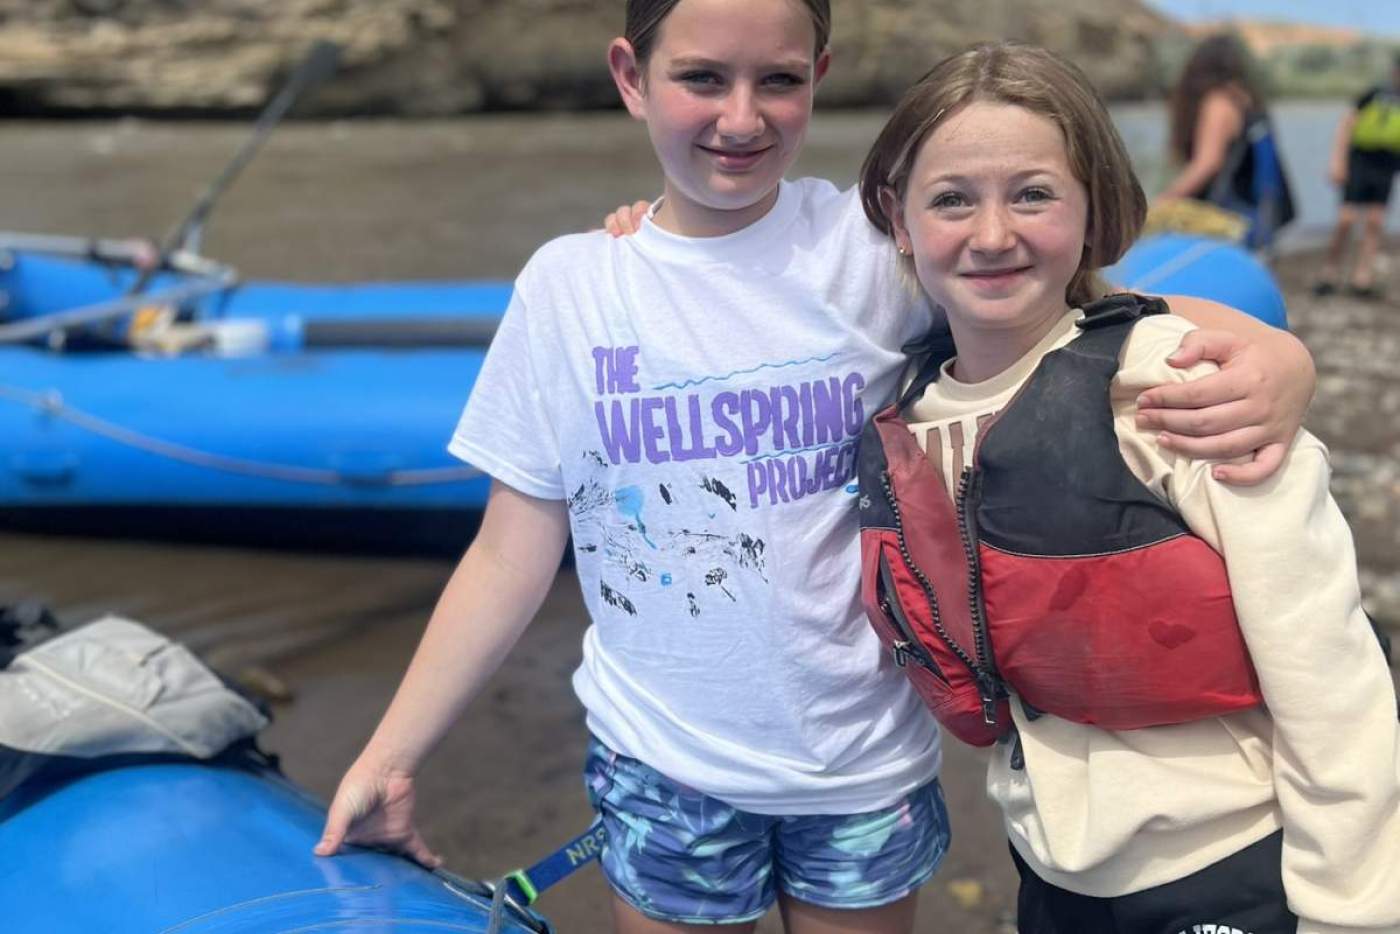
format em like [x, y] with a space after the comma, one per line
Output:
[1241, 894]
[1369, 177]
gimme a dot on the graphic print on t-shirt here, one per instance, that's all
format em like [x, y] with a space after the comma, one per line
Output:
[948, 445]
[748, 440]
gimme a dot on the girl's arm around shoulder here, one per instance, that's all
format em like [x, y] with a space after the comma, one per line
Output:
[1151, 358]
[1253, 406]
[1292, 570]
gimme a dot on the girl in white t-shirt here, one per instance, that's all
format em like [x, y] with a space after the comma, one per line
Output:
[685, 403]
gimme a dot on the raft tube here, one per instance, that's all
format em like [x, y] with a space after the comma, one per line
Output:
[320, 398]
[193, 848]
[332, 397]
[1181, 264]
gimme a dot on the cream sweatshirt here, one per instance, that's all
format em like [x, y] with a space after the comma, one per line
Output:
[1108, 813]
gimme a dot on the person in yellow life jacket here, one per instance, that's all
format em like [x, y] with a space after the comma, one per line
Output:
[1365, 157]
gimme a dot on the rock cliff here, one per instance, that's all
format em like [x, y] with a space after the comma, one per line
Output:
[438, 57]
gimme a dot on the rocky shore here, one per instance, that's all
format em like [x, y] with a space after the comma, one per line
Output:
[440, 57]
[1356, 344]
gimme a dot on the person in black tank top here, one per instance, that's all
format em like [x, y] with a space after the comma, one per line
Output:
[1223, 140]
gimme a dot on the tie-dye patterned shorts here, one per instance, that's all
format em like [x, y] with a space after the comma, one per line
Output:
[678, 855]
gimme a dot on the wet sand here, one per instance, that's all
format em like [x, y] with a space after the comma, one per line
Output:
[398, 200]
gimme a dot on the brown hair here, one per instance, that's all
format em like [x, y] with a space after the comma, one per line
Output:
[1042, 82]
[1219, 61]
[644, 19]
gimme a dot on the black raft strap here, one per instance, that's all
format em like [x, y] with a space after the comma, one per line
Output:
[1120, 308]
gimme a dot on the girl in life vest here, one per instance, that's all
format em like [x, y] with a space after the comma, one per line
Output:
[1194, 726]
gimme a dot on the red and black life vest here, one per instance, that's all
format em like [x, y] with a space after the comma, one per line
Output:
[1051, 569]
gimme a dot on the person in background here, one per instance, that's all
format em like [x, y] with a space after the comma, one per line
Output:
[1365, 157]
[1221, 135]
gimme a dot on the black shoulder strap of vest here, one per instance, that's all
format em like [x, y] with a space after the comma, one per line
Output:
[936, 348]
[930, 351]
[1120, 308]
[1106, 325]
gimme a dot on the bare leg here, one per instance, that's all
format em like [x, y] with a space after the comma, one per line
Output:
[628, 920]
[803, 918]
[1363, 273]
[1336, 248]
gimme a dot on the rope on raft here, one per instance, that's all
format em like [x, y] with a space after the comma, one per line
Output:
[51, 403]
[1180, 261]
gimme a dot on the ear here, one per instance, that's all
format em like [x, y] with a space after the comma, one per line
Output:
[894, 210]
[822, 64]
[629, 76]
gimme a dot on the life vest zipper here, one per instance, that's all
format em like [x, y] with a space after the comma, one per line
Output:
[908, 646]
[924, 583]
[988, 681]
[990, 687]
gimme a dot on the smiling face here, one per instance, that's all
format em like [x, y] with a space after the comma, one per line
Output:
[995, 221]
[726, 94]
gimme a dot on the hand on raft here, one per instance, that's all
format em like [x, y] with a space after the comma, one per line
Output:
[374, 808]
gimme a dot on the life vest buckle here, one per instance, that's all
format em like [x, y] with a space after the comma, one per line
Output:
[901, 653]
[988, 692]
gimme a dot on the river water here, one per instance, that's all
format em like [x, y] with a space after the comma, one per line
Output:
[456, 198]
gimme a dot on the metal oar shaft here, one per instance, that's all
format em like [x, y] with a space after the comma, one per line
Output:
[25, 330]
[315, 68]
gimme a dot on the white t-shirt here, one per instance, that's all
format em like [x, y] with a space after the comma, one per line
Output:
[697, 404]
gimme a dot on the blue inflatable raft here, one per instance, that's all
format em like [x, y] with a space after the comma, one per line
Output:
[206, 394]
[275, 396]
[197, 848]
[133, 798]
[1182, 264]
